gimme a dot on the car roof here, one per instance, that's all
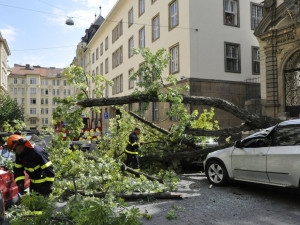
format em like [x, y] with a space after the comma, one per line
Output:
[290, 122]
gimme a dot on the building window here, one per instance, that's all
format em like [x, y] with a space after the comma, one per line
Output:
[97, 53]
[57, 92]
[32, 90]
[23, 100]
[46, 111]
[117, 57]
[117, 31]
[65, 92]
[106, 89]
[142, 37]
[53, 101]
[42, 101]
[46, 120]
[118, 85]
[32, 80]
[101, 49]
[69, 92]
[155, 28]
[65, 83]
[15, 80]
[141, 7]
[53, 92]
[101, 69]
[93, 58]
[130, 107]
[131, 81]
[155, 111]
[106, 43]
[23, 90]
[173, 14]
[97, 70]
[46, 82]
[32, 101]
[42, 82]
[130, 47]
[46, 91]
[106, 65]
[57, 82]
[173, 118]
[23, 81]
[46, 101]
[255, 61]
[32, 110]
[232, 58]
[16, 100]
[174, 63]
[231, 12]
[32, 121]
[256, 15]
[53, 82]
[142, 72]
[130, 17]
[42, 111]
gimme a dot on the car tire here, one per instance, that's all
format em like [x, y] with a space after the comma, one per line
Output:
[216, 173]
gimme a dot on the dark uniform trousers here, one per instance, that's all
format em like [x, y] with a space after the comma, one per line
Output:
[131, 150]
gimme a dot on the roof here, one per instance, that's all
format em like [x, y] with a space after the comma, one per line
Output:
[36, 70]
[89, 33]
[290, 122]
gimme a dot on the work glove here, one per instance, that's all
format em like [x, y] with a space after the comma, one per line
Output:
[21, 189]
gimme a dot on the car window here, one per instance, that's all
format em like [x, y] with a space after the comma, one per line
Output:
[256, 143]
[286, 135]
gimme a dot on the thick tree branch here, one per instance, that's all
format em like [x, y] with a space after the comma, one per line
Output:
[134, 196]
[219, 133]
[152, 125]
[182, 154]
[254, 121]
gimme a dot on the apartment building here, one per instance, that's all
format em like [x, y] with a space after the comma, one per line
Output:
[34, 88]
[4, 53]
[211, 43]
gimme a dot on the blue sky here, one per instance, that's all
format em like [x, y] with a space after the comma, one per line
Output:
[24, 29]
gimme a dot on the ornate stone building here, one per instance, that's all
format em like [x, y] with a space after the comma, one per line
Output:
[279, 39]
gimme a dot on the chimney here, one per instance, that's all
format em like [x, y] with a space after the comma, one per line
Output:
[27, 66]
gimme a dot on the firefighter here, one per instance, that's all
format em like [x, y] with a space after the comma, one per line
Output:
[132, 149]
[34, 160]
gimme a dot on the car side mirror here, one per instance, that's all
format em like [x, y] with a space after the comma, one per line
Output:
[238, 144]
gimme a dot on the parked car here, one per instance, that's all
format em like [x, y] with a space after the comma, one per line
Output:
[271, 156]
[8, 187]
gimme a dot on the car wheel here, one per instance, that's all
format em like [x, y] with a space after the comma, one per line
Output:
[216, 173]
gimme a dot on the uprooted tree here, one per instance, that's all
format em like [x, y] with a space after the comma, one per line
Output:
[92, 184]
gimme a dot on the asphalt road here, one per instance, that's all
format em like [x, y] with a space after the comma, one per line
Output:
[236, 204]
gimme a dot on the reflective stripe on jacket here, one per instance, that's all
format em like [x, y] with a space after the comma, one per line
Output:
[132, 144]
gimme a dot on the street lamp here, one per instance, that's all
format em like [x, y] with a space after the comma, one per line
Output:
[69, 21]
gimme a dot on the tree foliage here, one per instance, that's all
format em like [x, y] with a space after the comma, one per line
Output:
[10, 111]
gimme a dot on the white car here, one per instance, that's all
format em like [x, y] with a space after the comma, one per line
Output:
[271, 156]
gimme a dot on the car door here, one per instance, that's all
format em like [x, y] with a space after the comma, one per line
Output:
[283, 158]
[249, 162]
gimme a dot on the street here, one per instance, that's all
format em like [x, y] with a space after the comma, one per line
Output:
[238, 203]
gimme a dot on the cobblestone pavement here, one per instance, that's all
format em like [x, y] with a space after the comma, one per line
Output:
[236, 204]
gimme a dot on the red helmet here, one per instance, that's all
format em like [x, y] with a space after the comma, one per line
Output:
[15, 139]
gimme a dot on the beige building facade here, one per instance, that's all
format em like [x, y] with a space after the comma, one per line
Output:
[34, 89]
[279, 36]
[4, 70]
[211, 43]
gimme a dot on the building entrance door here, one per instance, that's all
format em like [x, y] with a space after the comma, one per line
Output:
[292, 85]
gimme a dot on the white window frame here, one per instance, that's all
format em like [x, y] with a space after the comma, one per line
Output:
[173, 14]
[142, 37]
[174, 61]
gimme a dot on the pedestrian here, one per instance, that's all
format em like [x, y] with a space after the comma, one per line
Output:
[34, 160]
[132, 149]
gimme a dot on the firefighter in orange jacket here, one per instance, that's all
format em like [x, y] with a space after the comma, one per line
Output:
[34, 160]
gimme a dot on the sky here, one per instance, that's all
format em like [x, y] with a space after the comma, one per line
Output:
[36, 31]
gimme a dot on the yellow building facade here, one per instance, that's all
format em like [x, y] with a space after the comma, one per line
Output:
[4, 71]
[34, 89]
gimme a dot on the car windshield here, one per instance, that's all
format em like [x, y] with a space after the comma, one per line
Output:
[6, 155]
[261, 134]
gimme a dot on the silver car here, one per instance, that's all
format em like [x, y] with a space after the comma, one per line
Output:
[271, 156]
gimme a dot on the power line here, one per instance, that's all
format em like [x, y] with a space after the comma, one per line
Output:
[46, 48]
[111, 21]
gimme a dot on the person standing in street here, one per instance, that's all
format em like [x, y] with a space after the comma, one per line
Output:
[132, 149]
